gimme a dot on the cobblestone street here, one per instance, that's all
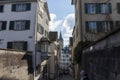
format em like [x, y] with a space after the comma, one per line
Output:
[66, 77]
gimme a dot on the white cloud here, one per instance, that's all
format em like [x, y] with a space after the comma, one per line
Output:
[54, 23]
[66, 24]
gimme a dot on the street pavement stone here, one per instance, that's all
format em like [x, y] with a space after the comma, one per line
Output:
[65, 77]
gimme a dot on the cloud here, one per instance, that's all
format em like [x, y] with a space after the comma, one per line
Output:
[65, 24]
[68, 25]
[54, 23]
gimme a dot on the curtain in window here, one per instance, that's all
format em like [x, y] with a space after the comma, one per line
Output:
[20, 7]
[19, 25]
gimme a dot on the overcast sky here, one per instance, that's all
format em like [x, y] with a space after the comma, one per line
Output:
[62, 17]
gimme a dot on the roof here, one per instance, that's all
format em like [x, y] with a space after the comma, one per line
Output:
[53, 36]
[44, 39]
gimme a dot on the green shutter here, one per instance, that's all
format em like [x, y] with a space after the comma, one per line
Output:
[118, 7]
[9, 45]
[86, 9]
[99, 26]
[98, 10]
[11, 25]
[111, 25]
[28, 6]
[13, 7]
[87, 26]
[110, 7]
[4, 23]
[25, 45]
[27, 24]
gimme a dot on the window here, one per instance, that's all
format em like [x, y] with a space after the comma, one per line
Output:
[40, 29]
[118, 8]
[118, 24]
[1, 8]
[18, 45]
[90, 8]
[98, 8]
[91, 26]
[3, 25]
[21, 7]
[105, 8]
[20, 25]
[104, 26]
[99, 26]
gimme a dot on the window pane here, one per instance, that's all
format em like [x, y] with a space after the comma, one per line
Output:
[18, 45]
[19, 25]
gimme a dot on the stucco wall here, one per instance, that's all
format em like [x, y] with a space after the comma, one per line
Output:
[14, 65]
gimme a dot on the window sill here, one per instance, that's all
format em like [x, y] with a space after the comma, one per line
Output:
[21, 30]
[21, 11]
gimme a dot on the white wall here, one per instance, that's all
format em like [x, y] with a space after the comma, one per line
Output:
[10, 35]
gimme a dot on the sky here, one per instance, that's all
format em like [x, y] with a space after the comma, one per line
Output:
[62, 18]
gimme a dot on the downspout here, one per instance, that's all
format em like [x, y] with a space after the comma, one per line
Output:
[35, 40]
[81, 36]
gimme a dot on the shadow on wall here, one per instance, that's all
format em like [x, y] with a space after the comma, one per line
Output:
[29, 62]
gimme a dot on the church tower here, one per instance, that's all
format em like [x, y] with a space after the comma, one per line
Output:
[61, 41]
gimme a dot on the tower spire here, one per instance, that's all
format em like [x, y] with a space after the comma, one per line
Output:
[60, 37]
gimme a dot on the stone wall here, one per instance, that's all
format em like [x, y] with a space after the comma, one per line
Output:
[101, 61]
[15, 65]
[103, 64]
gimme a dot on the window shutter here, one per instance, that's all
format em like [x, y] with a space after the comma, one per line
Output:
[25, 46]
[27, 24]
[11, 25]
[98, 8]
[28, 6]
[9, 45]
[110, 7]
[13, 7]
[1, 8]
[117, 24]
[4, 23]
[118, 7]
[86, 9]
[99, 26]
[87, 27]
[111, 25]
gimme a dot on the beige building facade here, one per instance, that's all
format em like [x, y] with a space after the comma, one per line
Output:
[93, 20]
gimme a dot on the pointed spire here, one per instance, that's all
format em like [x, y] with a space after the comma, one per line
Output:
[60, 37]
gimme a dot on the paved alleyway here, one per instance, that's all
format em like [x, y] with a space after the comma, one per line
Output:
[66, 77]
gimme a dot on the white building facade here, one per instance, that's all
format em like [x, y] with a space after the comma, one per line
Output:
[22, 24]
[65, 59]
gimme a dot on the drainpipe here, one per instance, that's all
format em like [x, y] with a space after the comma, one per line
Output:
[81, 36]
[35, 42]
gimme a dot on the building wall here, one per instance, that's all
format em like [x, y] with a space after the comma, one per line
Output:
[25, 35]
[13, 63]
[53, 61]
[65, 58]
[81, 17]
[101, 60]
